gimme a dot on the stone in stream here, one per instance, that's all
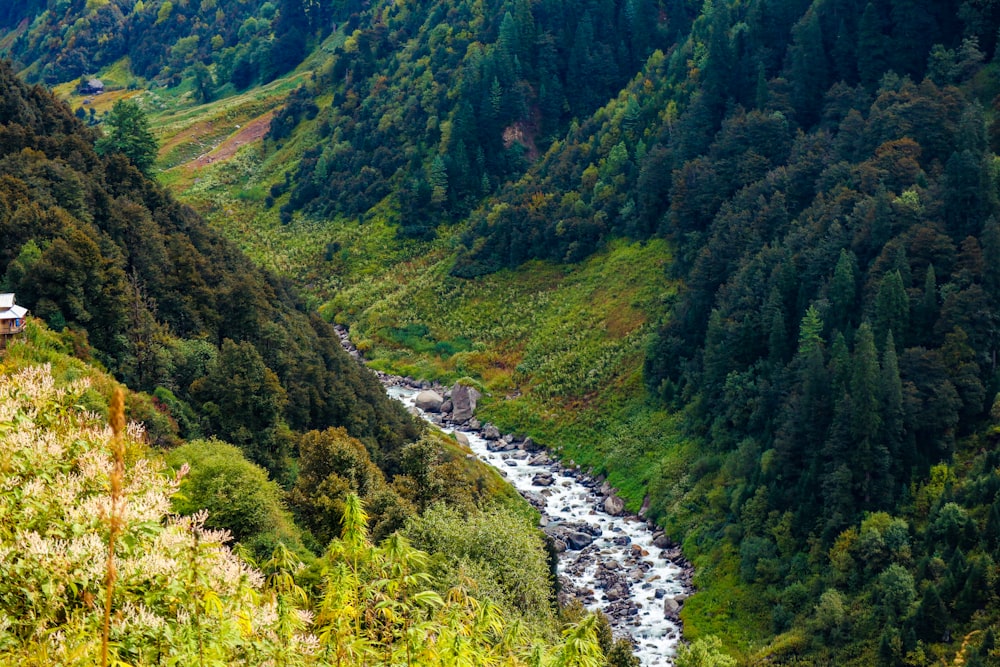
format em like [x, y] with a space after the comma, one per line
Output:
[671, 608]
[542, 479]
[491, 432]
[463, 400]
[428, 401]
[462, 438]
[540, 460]
[614, 505]
[446, 407]
[535, 499]
[615, 592]
[661, 541]
[577, 540]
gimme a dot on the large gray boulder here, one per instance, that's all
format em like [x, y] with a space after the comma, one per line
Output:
[463, 400]
[577, 541]
[428, 401]
[614, 505]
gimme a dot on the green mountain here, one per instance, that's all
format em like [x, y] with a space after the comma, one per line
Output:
[114, 537]
[164, 302]
[738, 256]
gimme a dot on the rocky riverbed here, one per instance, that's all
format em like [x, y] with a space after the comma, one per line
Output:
[608, 559]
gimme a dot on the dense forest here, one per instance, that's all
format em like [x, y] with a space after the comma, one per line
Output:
[142, 286]
[824, 171]
[220, 45]
[336, 499]
[826, 174]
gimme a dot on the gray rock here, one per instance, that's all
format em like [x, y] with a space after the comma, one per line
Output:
[645, 506]
[491, 432]
[530, 445]
[661, 541]
[542, 479]
[671, 608]
[616, 592]
[577, 541]
[537, 500]
[540, 460]
[462, 438]
[446, 406]
[614, 505]
[429, 401]
[464, 400]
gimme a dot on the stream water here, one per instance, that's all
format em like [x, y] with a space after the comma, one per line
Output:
[617, 564]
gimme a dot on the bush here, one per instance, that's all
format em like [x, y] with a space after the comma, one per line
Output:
[237, 494]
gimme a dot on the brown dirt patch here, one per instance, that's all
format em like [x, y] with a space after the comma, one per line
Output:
[247, 134]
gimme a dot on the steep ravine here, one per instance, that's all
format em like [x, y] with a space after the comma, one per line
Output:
[609, 560]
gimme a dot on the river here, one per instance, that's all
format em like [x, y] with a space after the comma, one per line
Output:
[618, 564]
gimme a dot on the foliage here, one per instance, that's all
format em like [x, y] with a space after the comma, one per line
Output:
[128, 133]
[175, 578]
[705, 652]
[333, 465]
[90, 244]
[179, 595]
[485, 544]
[236, 494]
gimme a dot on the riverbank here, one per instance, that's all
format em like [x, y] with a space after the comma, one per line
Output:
[620, 563]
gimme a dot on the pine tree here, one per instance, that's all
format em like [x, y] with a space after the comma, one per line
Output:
[128, 133]
[892, 308]
[843, 290]
[873, 53]
[809, 69]
[890, 396]
[870, 457]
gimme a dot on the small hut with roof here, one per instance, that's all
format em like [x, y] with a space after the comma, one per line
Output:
[12, 318]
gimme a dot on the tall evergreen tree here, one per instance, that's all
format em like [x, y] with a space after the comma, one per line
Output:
[873, 50]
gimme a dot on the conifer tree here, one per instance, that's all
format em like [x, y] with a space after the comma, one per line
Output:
[128, 133]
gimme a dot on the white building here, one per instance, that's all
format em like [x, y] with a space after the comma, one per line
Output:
[11, 315]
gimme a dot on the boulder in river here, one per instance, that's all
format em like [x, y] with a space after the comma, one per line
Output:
[428, 401]
[671, 608]
[463, 400]
[491, 432]
[462, 438]
[577, 540]
[542, 479]
[614, 505]
[446, 407]
[540, 460]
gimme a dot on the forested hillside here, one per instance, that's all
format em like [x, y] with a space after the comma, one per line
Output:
[826, 174]
[219, 45]
[785, 213]
[109, 556]
[90, 243]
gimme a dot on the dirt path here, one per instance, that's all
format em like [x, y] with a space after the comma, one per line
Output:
[249, 133]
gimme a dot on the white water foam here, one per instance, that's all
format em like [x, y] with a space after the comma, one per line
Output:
[624, 547]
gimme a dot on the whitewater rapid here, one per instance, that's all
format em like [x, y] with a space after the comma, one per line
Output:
[622, 572]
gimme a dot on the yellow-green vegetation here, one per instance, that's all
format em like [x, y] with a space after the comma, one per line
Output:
[180, 595]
